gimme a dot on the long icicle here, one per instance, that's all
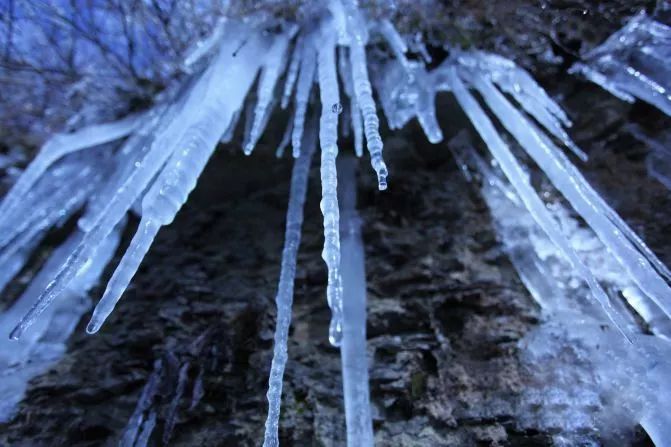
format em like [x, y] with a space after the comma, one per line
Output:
[573, 188]
[285, 287]
[175, 134]
[292, 71]
[364, 92]
[354, 110]
[59, 146]
[353, 349]
[305, 79]
[328, 139]
[272, 69]
[532, 202]
[170, 191]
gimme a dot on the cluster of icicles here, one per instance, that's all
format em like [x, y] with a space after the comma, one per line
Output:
[165, 149]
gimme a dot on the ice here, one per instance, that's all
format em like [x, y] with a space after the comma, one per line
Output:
[328, 140]
[173, 185]
[285, 287]
[353, 352]
[272, 69]
[633, 62]
[44, 343]
[305, 79]
[532, 202]
[59, 146]
[363, 91]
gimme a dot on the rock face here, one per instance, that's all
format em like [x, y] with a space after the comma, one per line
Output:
[448, 317]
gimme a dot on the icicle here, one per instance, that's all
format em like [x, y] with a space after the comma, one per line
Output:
[633, 62]
[337, 11]
[15, 263]
[184, 131]
[272, 69]
[353, 352]
[328, 140]
[61, 145]
[64, 202]
[420, 48]
[292, 71]
[285, 288]
[354, 110]
[364, 92]
[582, 197]
[305, 79]
[127, 156]
[425, 108]
[147, 430]
[171, 189]
[247, 132]
[602, 81]
[171, 416]
[355, 114]
[143, 404]
[532, 202]
[44, 343]
[206, 46]
[285, 140]
[395, 41]
[227, 137]
[55, 197]
[534, 106]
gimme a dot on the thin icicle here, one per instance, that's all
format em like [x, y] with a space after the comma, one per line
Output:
[633, 62]
[143, 404]
[127, 156]
[602, 81]
[292, 71]
[227, 137]
[364, 92]
[357, 127]
[303, 88]
[272, 69]
[205, 46]
[171, 415]
[247, 132]
[354, 110]
[533, 106]
[15, 263]
[58, 194]
[328, 140]
[582, 197]
[62, 204]
[532, 202]
[171, 189]
[395, 41]
[147, 430]
[425, 107]
[45, 342]
[61, 145]
[353, 351]
[420, 48]
[285, 288]
[183, 132]
[279, 153]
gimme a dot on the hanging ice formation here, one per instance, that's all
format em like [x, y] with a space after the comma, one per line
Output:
[164, 150]
[570, 315]
[634, 63]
